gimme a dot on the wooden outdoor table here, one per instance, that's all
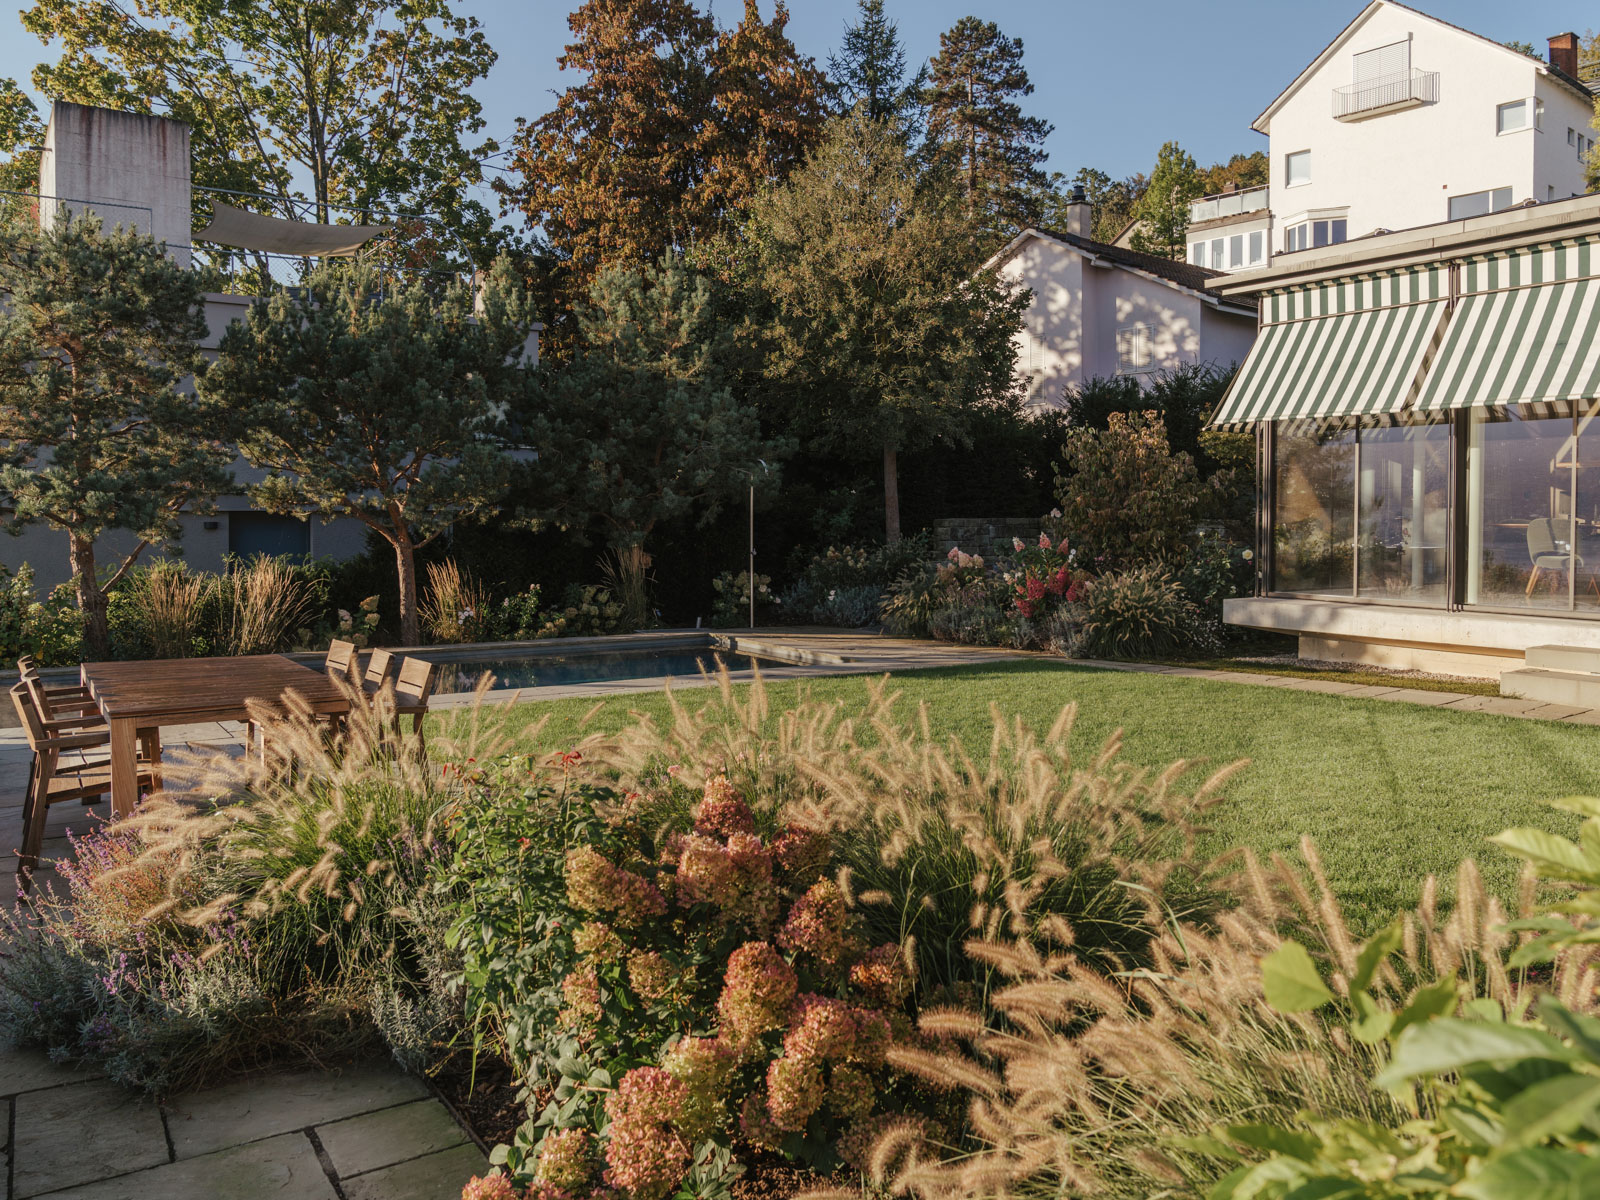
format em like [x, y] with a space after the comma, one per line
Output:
[137, 698]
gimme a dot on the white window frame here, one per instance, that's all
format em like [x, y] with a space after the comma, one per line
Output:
[1288, 168]
[1133, 349]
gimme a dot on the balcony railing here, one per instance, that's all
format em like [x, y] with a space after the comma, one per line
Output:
[1228, 204]
[1392, 91]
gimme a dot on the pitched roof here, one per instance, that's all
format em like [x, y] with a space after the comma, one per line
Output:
[1180, 274]
[1360, 19]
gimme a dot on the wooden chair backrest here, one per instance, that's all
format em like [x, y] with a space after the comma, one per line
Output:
[380, 664]
[341, 659]
[28, 714]
[415, 682]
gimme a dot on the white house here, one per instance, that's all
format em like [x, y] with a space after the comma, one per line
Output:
[1104, 310]
[1403, 120]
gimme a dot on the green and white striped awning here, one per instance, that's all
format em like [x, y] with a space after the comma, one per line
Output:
[1354, 347]
[1524, 330]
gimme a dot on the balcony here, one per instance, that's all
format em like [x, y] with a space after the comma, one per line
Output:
[1391, 93]
[1228, 204]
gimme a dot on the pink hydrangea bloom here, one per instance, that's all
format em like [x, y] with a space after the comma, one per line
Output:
[703, 1066]
[493, 1186]
[758, 991]
[881, 974]
[816, 924]
[802, 854]
[566, 1159]
[595, 884]
[794, 1091]
[646, 1157]
[650, 974]
[722, 810]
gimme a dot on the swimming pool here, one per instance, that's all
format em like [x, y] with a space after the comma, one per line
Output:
[587, 666]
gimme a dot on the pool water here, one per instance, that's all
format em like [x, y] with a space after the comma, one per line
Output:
[556, 670]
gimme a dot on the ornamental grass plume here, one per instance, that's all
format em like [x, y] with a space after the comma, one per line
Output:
[1086, 1082]
[941, 844]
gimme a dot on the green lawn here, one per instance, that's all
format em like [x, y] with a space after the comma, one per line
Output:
[1390, 791]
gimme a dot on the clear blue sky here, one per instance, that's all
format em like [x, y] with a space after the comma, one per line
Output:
[1116, 79]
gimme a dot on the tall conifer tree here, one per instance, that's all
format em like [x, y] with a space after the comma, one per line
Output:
[976, 127]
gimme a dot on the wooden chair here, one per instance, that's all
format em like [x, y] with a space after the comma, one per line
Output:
[412, 687]
[51, 781]
[341, 660]
[380, 666]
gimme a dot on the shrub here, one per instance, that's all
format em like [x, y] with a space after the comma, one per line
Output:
[1126, 499]
[730, 606]
[455, 606]
[1140, 613]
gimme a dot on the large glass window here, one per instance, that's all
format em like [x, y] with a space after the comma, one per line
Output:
[1533, 507]
[1403, 510]
[1363, 510]
[1314, 506]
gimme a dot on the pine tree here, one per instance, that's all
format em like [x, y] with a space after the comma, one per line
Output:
[392, 410]
[1163, 210]
[96, 432]
[870, 70]
[977, 129]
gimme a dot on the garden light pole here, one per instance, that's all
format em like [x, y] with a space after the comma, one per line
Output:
[750, 578]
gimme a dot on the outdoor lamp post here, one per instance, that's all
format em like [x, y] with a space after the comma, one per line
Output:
[750, 579]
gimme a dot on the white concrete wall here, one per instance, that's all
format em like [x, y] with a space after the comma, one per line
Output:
[117, 158]
[1070, 329]
[1398, 170]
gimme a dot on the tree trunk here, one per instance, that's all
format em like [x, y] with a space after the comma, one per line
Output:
[891, 493]
[91, 600]
[405, 559]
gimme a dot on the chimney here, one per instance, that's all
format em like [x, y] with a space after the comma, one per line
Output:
[1564, 53]
[1079, 217]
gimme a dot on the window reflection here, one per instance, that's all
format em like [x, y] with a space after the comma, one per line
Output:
[1404, 512]
[1314, 483]
[1533, 507]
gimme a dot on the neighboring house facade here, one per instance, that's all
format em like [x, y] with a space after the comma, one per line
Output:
[134, 170]
[1403, 120]
[1104, 310]
[1426, 406]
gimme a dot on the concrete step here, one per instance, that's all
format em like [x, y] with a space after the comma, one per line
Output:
[1580, 689]
[1562, 658]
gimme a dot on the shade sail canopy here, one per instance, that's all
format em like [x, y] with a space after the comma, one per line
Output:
[1357, 347]
[1524, 331]
[272, 235]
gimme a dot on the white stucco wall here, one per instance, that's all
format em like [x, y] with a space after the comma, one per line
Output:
[1070, 329]
[1398, 170]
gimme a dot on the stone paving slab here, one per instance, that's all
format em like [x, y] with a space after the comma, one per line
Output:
[438, 1176]
[285, 1168]
[32, 1071]
[81, 1133]
[391, 1135]
[247, 1109]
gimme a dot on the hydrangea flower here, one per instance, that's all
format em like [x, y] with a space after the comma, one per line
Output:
[816, 924]
[596, 884]
[881, 974]
[566, 1159]
[758, 991]
[794, 1091]
[703, 1066]
[650, 974]
[802, 854]
[722, 810]
[646, 1156]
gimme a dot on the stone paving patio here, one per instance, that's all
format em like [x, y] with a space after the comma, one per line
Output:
[368, 1132]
